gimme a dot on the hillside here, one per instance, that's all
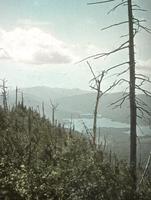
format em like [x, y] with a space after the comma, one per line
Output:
[41, 161]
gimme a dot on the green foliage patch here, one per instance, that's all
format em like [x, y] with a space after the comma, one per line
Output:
[39, 161]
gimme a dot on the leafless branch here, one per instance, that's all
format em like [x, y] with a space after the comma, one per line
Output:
[123, 35]
[142, 75]
[115, 7]
[101, 2]
[120, 101]
[111, 52]
[138, 23]
[143, 110]
[113, 25]
[54, 106]
[115, 66]
[100, 55]
[146, 92]
[140, 102]
[121, 47]
[143, 79]
[92, 71]
[148, 30]
[139, 9]
[135, 5]
[123, 72]
[109, 88]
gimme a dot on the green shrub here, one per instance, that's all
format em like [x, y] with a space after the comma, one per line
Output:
[42, 162]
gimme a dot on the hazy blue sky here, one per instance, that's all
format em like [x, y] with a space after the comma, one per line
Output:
[42, 39]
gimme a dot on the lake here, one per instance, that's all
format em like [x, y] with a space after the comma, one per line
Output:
[103, 123]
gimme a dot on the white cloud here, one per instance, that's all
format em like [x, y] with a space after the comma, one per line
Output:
[34, 46]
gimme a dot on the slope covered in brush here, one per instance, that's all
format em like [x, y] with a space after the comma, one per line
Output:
[41, 161]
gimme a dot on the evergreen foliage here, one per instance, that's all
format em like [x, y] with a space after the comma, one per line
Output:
[42, 161]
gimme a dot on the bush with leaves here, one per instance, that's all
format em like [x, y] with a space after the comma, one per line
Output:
[39, 161]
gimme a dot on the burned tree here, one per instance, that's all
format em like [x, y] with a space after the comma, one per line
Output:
[96, 84]
[22, 100]
[53, 108]
[43, 110]
[4, 94]
[19, 97]
[135, 81]
[132, 97]
[16, 94]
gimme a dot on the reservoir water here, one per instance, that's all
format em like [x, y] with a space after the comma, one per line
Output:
[104, 123]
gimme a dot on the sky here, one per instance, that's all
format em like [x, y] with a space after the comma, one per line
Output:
[42, 42]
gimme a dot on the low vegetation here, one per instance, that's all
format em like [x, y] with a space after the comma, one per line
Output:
[40, 161]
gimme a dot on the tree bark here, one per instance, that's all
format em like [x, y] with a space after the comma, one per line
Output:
[4, 94]
[53, 116]
[16, 97]
[133, 157]
[95, 113]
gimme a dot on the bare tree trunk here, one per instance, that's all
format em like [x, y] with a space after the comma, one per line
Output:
[54, 108]
[135, 104]
[4, 95]
[133, 159]
[53, 116]
[43, 110]
[22, 101]
[98, 81]
[95, 114]
[16, 96]
[30, 138]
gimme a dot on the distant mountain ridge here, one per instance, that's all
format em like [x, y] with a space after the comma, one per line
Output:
[74, 102]
[55, 93]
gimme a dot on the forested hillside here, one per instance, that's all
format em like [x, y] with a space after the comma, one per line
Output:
[42, 161]
[75, 100]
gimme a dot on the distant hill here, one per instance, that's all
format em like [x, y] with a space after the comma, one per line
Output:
[74, 102]
[43, 93]
[118, 143]
[85, 104]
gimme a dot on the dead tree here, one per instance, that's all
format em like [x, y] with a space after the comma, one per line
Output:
[4, 94]
[53, 108]
[17, 91]
[22, 100]
[43, 110]
[137, 106]
[38, 109]
[132, 93]
[96, 84]
[16, 100]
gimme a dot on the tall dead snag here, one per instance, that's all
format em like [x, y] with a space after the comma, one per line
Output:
[53, 108]
[133, 115]
[96, 83]
[22, 100]
[16, 94]
[43, 110]
[17, 99]
[4, 94]
[138, 108]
